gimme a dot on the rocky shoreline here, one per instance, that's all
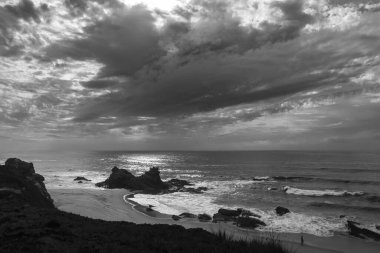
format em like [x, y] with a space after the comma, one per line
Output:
[150, 183]
[29, 222]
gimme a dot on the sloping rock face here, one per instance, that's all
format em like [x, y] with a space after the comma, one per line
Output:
[19, 181]
[355, 229]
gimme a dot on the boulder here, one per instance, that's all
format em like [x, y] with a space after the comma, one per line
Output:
[81, 179]
[281, 210]
[222, 218]
[176, 217]
[229, 212]
[377, 227]
[204, 217]
[249, 222]
[355, 229]
[187, 215]
[19, 181]
[247, 213]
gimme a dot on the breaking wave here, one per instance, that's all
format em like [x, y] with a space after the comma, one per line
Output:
[320, 193]
[319, 179]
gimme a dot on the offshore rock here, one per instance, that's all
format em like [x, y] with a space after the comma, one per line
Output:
[149, 182]
[81, 179]
[187, 215]
[281, 210]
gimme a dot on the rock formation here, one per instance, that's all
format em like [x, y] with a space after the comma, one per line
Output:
[242, 217]
[249, 222]
[149, 182]
[204, 217]
[81, 179]
[281, 210]
[355, 229]
[19, 181]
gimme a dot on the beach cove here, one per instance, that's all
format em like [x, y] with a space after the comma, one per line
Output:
[110, 205]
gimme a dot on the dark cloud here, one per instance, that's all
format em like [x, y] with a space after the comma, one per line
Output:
[219, 29]
[25, 9]
[294, 17]
[205, 84]
[217, 62]
[124, 42]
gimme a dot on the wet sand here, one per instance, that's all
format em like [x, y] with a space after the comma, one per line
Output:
[117, 205]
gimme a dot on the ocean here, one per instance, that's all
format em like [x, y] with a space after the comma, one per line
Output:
[322, 189]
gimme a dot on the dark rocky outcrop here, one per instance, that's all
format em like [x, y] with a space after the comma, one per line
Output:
[176, 217]
[204, 217]
[355, 229]
[229, 212]
[281, 210]
[240, 216]
[81, 179]
[149, 182]
[18, 180]
[222, 218]
[249, 222]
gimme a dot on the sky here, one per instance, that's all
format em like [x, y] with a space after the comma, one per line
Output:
[189, 75]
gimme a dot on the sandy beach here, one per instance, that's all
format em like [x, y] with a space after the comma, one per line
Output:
[110, 205]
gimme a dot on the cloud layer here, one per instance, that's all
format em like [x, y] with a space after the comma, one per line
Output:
[197, 74]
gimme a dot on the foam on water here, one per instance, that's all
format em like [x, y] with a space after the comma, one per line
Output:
[320, 193]
[65, 179]
[179, 202]
[301, 223]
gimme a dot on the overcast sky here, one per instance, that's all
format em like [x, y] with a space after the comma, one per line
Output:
[189, 75]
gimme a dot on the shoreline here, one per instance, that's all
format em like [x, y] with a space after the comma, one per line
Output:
[114, 205]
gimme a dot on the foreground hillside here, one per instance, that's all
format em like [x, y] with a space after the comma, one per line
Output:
[30, 223]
